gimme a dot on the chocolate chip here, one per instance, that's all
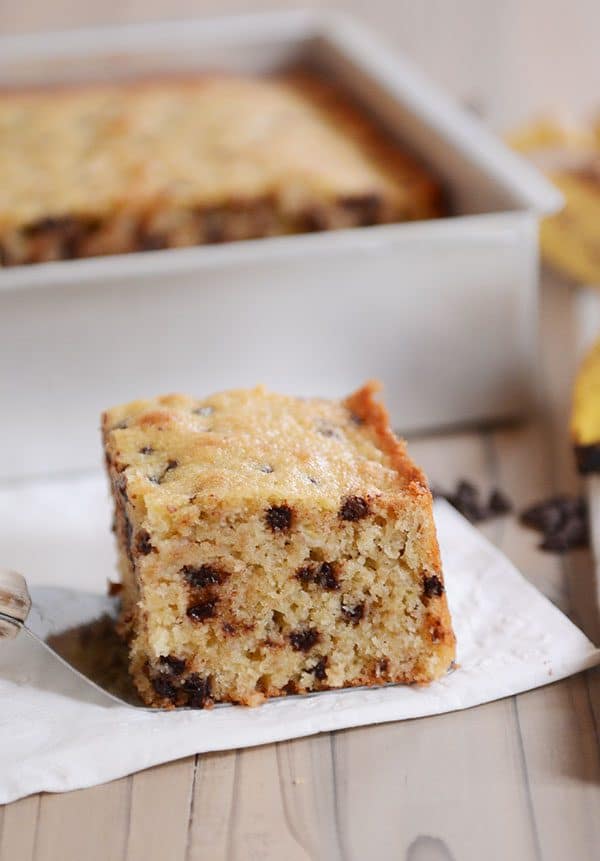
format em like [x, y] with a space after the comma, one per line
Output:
[466, 500]
[142, 543]
[174, 665]
[203, 411]
[499, 503]
[353, 614]
[279, 518]
[228, 628]
[151, 241]
[264, 467]
[563, 521]
[203, 576]
[320, 669]
[354, 508]
[312, 480]
[120, 425]
[551, 513]
[291, 688]
[574, 533]
[366, 207]
[356, 420]
[203, 611]
[163, 687]
[322, 574]
[147, 449]
[432, 586]
[198, 689]
[304, 640]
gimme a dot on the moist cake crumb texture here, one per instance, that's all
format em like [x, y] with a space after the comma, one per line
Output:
[272, 545]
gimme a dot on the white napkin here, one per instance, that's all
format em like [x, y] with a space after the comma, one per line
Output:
[57, 735]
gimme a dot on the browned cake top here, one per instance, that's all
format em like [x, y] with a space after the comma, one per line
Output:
[206, 141]
[253, 444]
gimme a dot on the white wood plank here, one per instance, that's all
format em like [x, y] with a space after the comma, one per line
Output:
[212, 807]
[259, 829]
[17, 835]
[448, 784]
[91, 824]
[160, 812]
[310, 794]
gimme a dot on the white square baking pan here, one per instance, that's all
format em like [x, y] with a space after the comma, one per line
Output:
[443, 311]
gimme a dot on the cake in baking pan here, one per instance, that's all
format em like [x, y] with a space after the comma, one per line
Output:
[106, 169]
[272, 545]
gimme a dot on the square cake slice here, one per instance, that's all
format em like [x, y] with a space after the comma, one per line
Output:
[272, 545]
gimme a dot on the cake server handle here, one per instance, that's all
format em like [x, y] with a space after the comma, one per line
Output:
[15, 603]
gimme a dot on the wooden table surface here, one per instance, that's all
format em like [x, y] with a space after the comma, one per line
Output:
[515, 779]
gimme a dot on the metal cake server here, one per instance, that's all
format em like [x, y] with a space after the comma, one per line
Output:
[78, 628]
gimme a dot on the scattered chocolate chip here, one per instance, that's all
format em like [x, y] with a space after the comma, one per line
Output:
[279, 518]
[147, 449]
[142, 542]
[354, 613]
[312, 480]
[499, 503]
[467, 499]
[366, 207]
[203, 611]
[432, 586]
[205, 575]
[356, 420]
[320, 669]
[562, 520]
[291, 688]
[120, 425]
[164, 687]
[321, 574]
[151, 241]
[264, 467]
[198, 690]
[228, 628]
[203, 411]
[354, 508]
[546, 516]
[174, 665]
[304, 640]
[114, 588]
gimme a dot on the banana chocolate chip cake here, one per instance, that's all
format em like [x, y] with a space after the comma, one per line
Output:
[272, 545]
[106, 169]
